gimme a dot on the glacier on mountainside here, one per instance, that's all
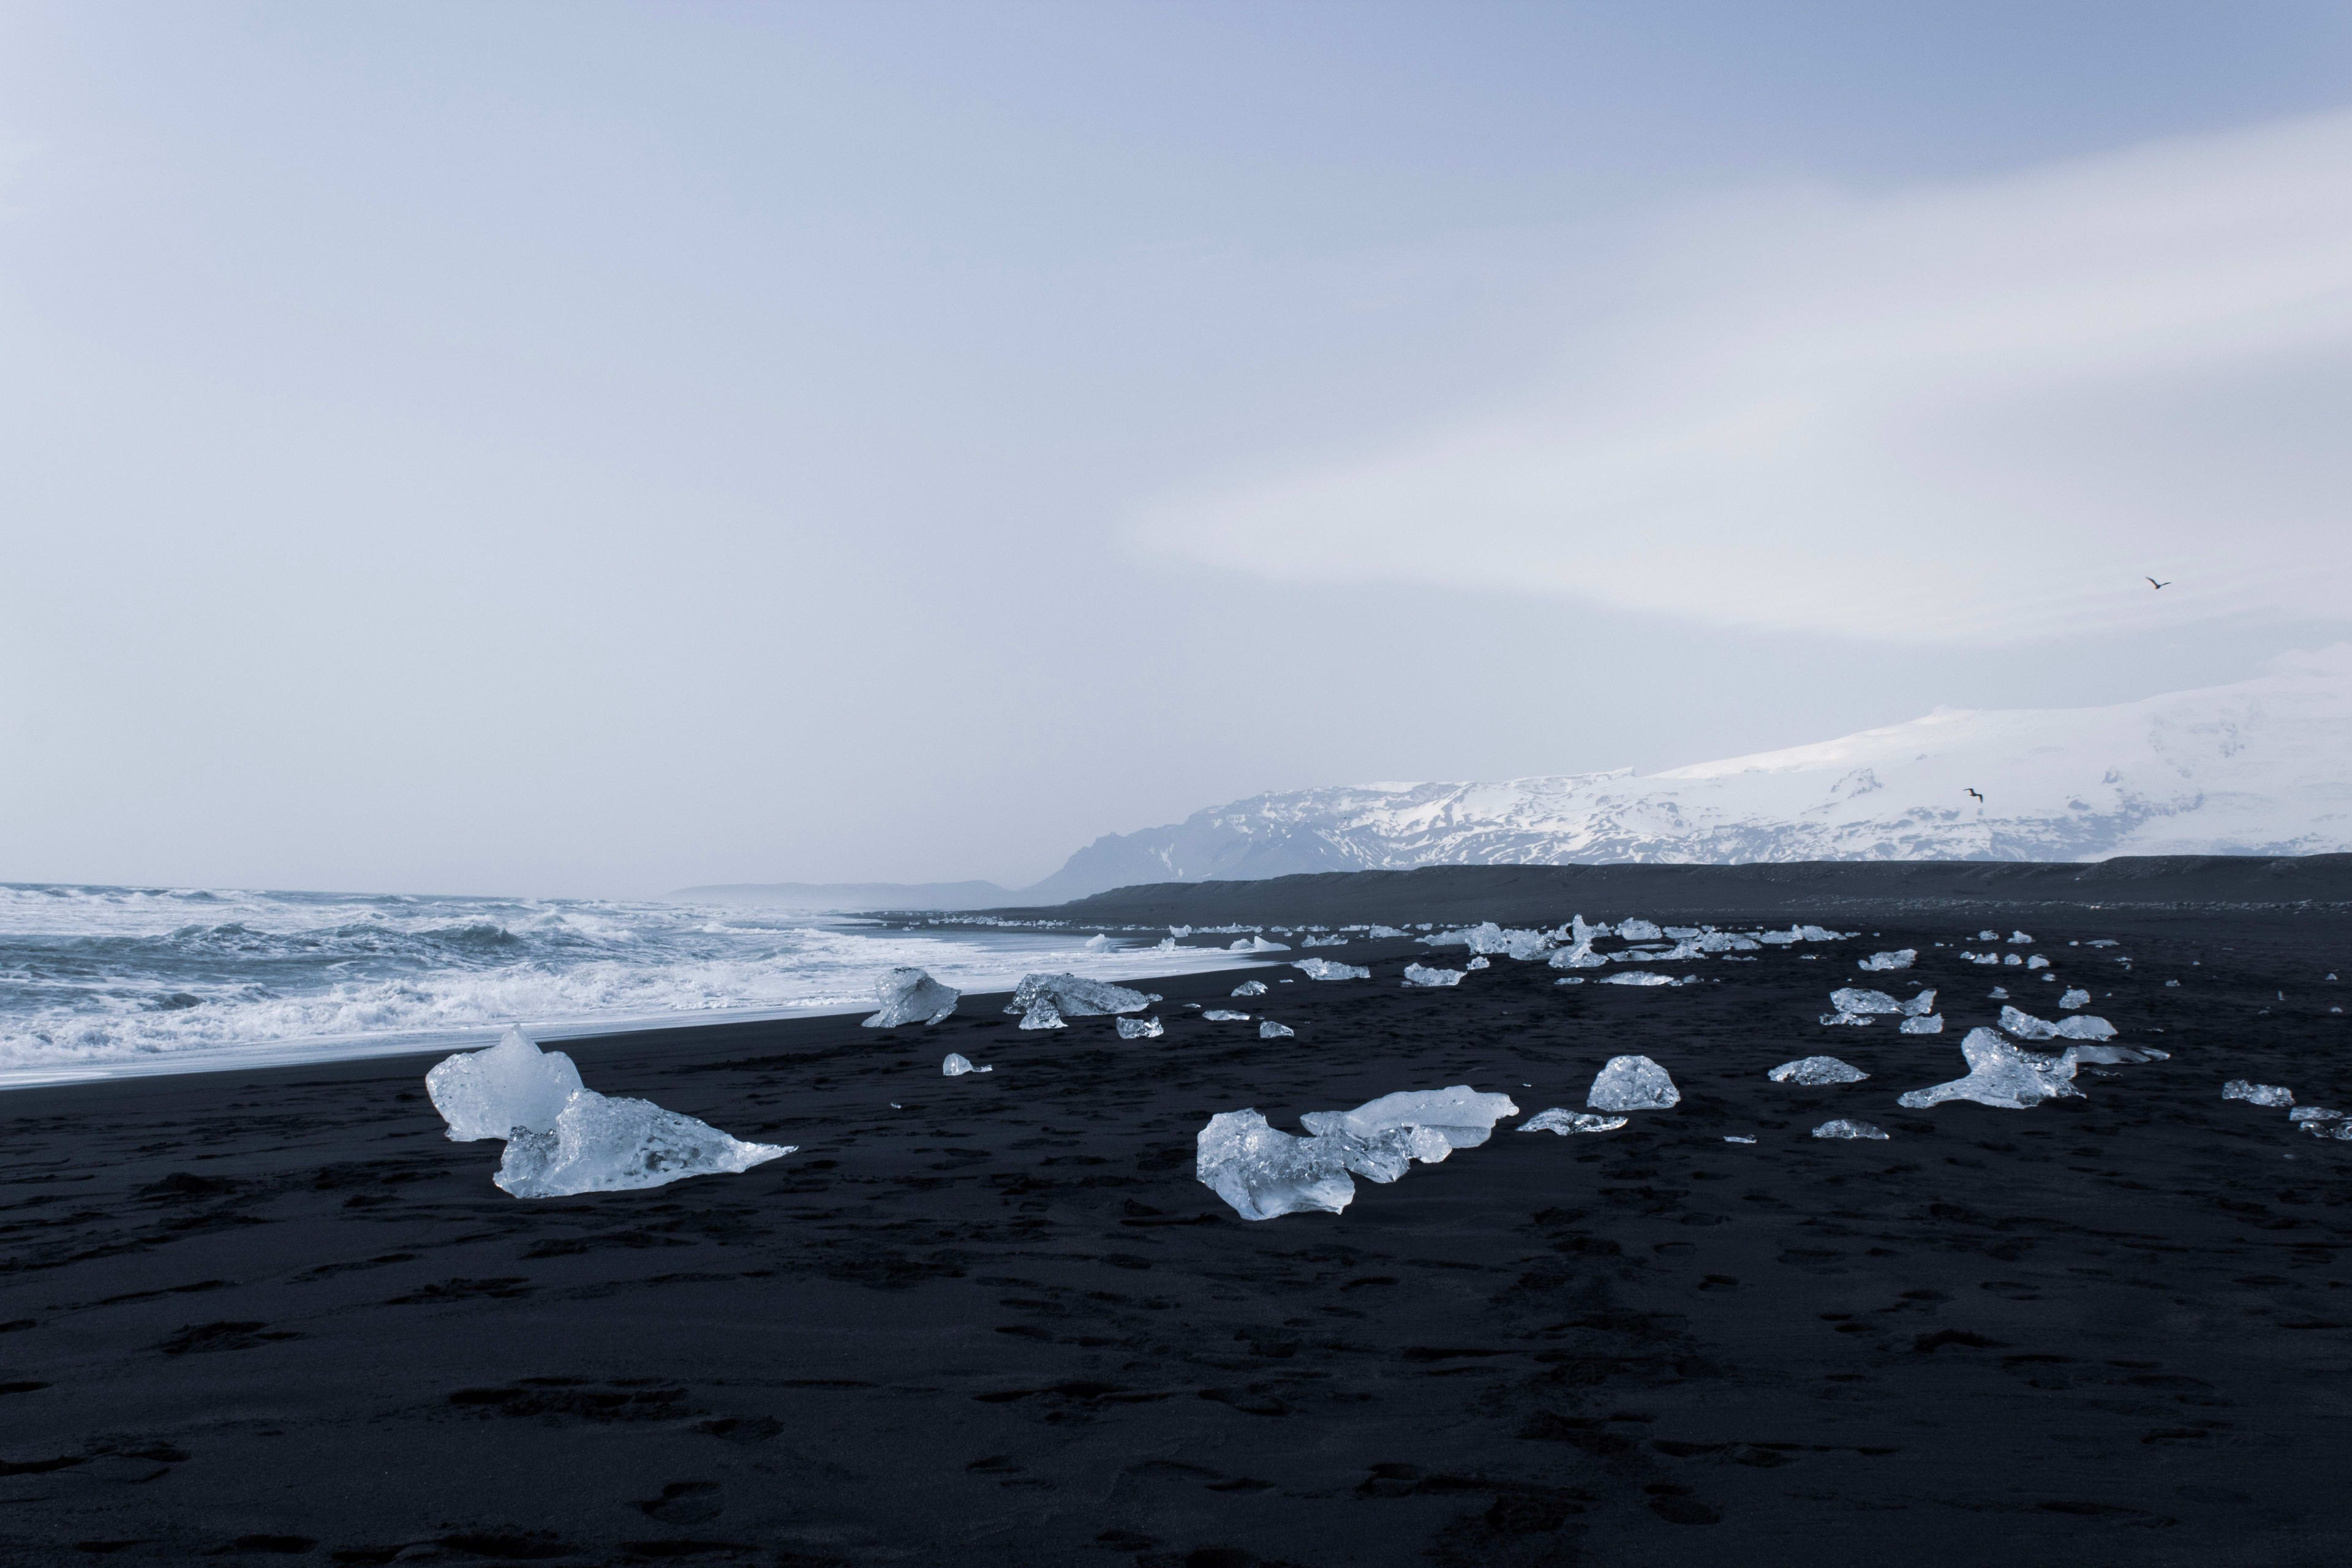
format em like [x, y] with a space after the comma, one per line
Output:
[2253, 768]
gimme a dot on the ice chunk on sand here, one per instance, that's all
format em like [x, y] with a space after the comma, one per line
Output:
[1637, 977]
[2109, 1056]
[1256, 945]
[1420, 974]
[1639, 931]
[1998, 993]
[1462, 1114]
[1325, 941]
[1225, 1015]
[910, 997]
[1845, 1127]
[1074, 997]
[2314, 1113]
[610, 1145]
[1101, 942]
[2076, 997]
[1167, 945]
[1267, 1030]
[1250, 988]
[1633, 1083]
[1580, 956]
[1042, 1015]
[1483, 937]
[1852, 999]
[957, 1064]
[2000, 1075]
[1265, 1172]
[1901, 958]
[1565, 1122]
[1740, 1138]
[1327, 969]
[1988, 936]
[1920, 1004]
[2257, 1093]
[1925, 1024]
[1139, 1029]
[2018, 936]
[2339, 1130]
[2081, 1027]
[1383, 933]
[1480, 962]
[2037, 961]
[1814, 1070]
[489, 1093]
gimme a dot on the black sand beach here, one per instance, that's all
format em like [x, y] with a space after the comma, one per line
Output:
[276, 1315]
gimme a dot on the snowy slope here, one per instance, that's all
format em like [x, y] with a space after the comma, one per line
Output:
[2260, 767]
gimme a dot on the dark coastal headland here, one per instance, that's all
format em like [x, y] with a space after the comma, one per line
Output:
[995, 1320]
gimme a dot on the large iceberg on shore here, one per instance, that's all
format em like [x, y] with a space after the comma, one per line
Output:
[489, 1093]
[563, 1138]
[1633, 1083]
[2000, 1075]
[1264, 1171]
[908, 996]
[1074, 997]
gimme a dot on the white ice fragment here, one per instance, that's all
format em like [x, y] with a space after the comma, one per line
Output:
[1580, 956]
[2257, 1093]
[1570, 980]
[1845, 1127]
[957, 1064]
[609, 1145]
[1902, 958]
[1740, 1138]
[1257, 944]
[2000, 1075]
[1042, 1015]
[1638, 930]
[1638, 977]
[1462, 1115]
[1481, 962]
[1812, 1071]
[2037, 961]
[1265, 1172]
[1920, 1004]
[1420, 974]
[1327, 969]
[1139, 1029]
[1851, 999]
[1565, 1122]
[2314, 1113]
[1998, 993]
[2012, 960]
[1225, 1015]
[1101, 942]
[1633, 1083]
[2074, 997]
[1167, 945]
[489, 1093]
[1074, 997]
[2018, 936]
[1325, 941]
[1250, 988]
[2340, 1131]
[1267, 1030]
[1925, 1024]
[1988, 936]
[1380, 934]
[2109, 1056]
[910, 997]
[2081, 1027]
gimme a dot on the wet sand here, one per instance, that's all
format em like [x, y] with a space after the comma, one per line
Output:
[276, 1315]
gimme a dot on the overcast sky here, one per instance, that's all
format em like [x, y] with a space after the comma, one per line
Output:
[578, 448]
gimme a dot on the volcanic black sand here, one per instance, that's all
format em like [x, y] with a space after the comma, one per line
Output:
[276, 1314]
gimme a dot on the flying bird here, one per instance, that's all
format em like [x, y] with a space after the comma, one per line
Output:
[1980, 798]
[2154, 584]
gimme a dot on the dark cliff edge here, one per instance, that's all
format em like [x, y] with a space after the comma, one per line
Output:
[1549, 894]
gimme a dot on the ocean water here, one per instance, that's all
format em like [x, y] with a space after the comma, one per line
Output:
[101, 981]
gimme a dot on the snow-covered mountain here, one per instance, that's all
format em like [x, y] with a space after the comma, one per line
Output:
[2262, 767]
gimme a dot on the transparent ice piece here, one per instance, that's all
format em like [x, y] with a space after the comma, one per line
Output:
[1250, 988]
[1074, 997]
[2018, 936]
[1480, 962]
[1925, 1024]
[1902, 958]
[2314, 1113]
[1637, 977]
[1852, 999]
[1225, 1015]
[1639, 931]
[1812, 1071]
[1846, 1127]
[1101, 942]
[2037, 961]
[910, 997]
[1141, 1029]
[2257, 1093]
[2081, 1026]
[1633, 1083]
[2000, 1075]
[1328, 969]
[957, 1064]
[1256, 945]
[1267, 1030]
[1420, 974]
[609, 1145]
[1042, 1015]
[1740, 1138]
[1265, 1172]
[489, 1093]
[1920, 1004]
[2108, 1056]
[2076, 997]
[1380, 934]
[1565, 1122]
[1462, 1115]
